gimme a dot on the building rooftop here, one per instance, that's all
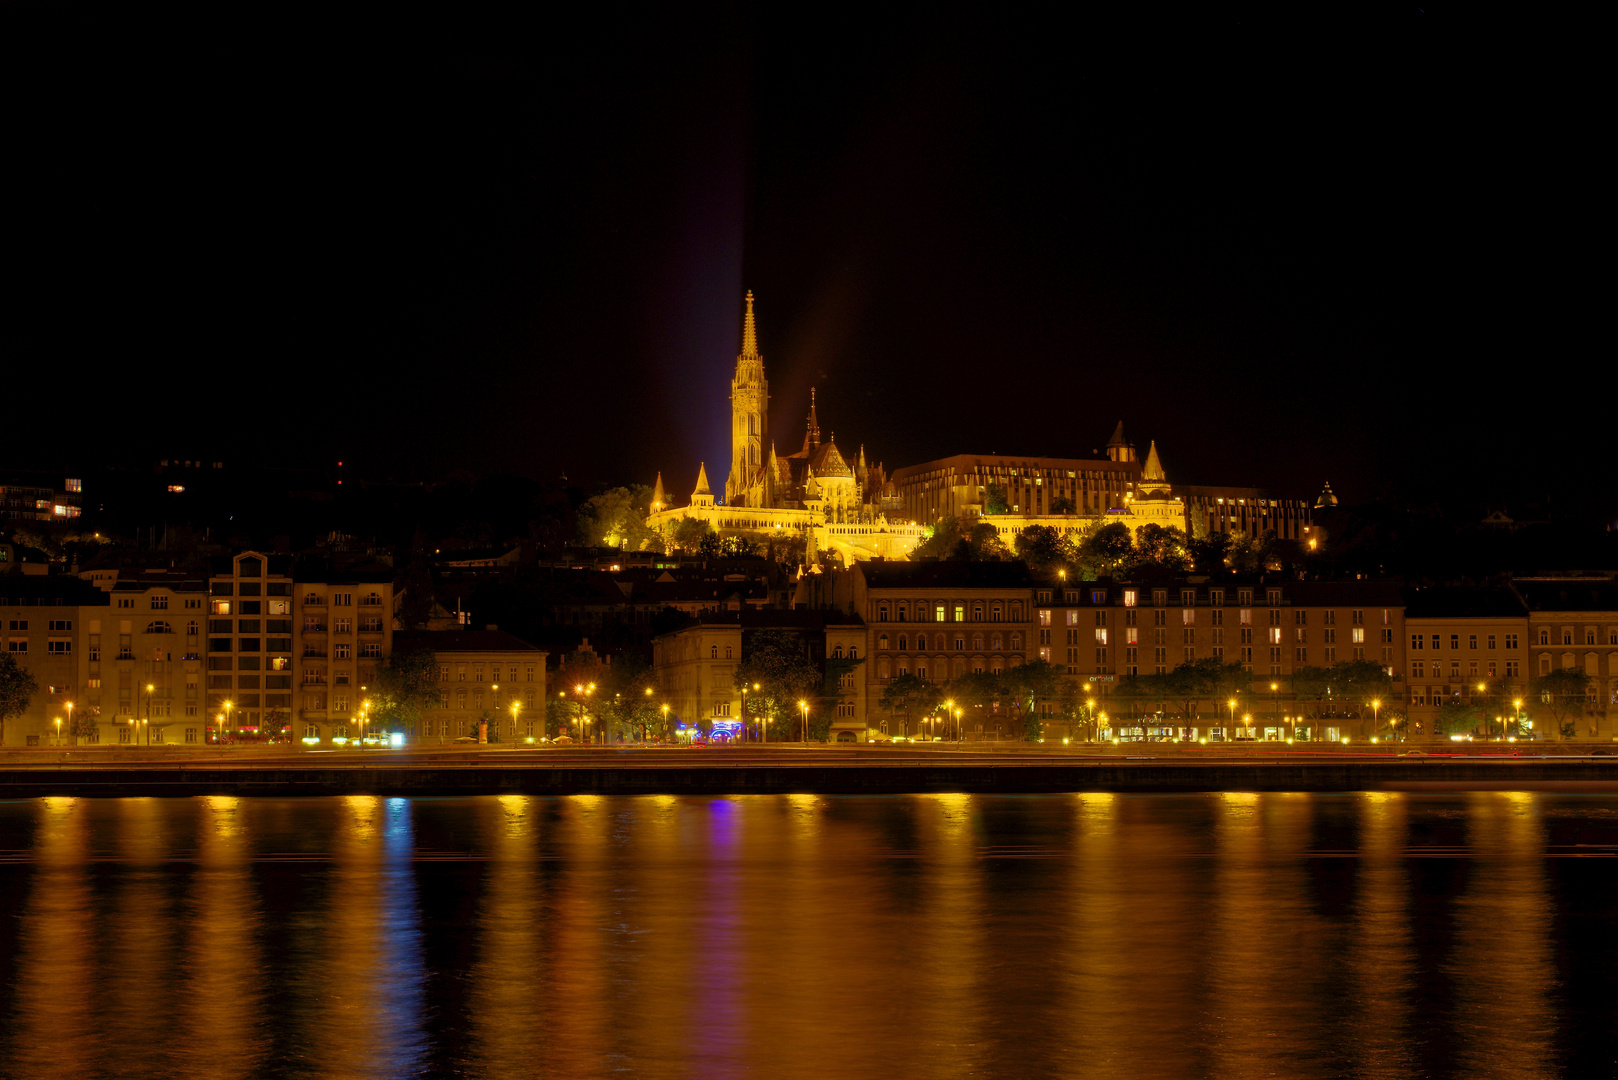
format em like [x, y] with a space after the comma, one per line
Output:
[1458, 603]
[952, 574]
[442, 641]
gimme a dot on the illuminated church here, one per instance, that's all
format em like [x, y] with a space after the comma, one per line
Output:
[839, 504]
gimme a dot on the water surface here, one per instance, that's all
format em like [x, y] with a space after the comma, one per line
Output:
[1220, 935]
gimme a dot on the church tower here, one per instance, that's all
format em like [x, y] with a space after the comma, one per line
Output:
[748, 484]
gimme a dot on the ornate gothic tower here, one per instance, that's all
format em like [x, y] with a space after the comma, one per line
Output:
[748, 483]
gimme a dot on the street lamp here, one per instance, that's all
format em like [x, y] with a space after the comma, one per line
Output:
[803, 707]
[70, 728]
[1232, 704]
[1275, 700]
[227, 716]
[665, 720]
[148, 720]
[1516, 713]
[58, 731]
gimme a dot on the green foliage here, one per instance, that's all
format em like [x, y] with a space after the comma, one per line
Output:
[1063, 505]
[1163, 547]
[1108, 549]
[1456, 716]
[913, 696]
[777, 662]
[1209, 679]
[1046, 550]
[1562, 693]
[688, 533]
[627, 699]
[406, 686]
[17, 689]
[963, 538]
[617, 518]
[995, 500]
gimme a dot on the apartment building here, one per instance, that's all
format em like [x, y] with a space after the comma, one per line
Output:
[695, 664]
[483, 675]
[1573, 624]
[291, 648]
[1466, 645]
[143, 659]
[42, 619]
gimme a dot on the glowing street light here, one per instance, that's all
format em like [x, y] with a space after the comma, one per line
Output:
[803, 708]
[58, 731]
[70, 729]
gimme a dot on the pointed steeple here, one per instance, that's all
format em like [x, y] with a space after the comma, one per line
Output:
[1153, 480]
[1117, 448]
[702, 481]
[749, 329]
[660, 499]
[1153, 469]
[811, 434]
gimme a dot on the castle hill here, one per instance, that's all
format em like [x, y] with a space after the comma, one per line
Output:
[1064, 611]
[719, 541]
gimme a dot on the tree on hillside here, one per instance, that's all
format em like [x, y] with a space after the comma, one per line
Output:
[17, 689]
[617, 518]
[995, 500]
[1562, 693]
[1162, 547]
[1207, 553]
[1108, 549]
[688, 533]
[406, 687]
[778, 663]
[1046, 550]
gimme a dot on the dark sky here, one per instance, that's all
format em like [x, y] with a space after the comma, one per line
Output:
[1291, 250]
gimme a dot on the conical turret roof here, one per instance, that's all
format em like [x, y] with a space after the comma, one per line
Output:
[702, 481]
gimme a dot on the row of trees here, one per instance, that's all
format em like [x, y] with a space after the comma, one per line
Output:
[1101, 548]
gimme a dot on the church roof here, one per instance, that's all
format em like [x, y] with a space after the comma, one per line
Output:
[1117, 436]
[702, 481]
[1154, 467]
[826, 460]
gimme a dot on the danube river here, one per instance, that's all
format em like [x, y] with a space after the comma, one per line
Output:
[1216, 935]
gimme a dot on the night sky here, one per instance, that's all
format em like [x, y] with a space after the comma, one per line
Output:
[1290, 251]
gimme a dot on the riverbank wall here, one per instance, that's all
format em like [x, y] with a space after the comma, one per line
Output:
[844, 779]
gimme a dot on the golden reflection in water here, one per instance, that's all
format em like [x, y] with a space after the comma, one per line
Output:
[367, 986]
[1504, 1025]
[1267, 947]
[949, 906]
[507, 1008]
[1129, 926]
[140, 925]
[1381, 956]
[220, 996]
[577, 923]
[55, 1002]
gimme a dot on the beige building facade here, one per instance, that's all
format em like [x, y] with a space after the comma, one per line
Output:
[483, 676]
[1573, 624]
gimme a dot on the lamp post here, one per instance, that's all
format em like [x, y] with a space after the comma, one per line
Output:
[1232, 704]
[1275, 700]
[958, 736]
[227, 718]
[665, 720]
[516, 707]
[1516, 713]
[1376, 713]
[58, 731]
[149, 689]
[803, 709]
[71, 731]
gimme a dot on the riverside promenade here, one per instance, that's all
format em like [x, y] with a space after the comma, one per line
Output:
[784, 769]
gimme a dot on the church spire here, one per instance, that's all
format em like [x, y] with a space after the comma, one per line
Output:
[660, 499]
[749, 329]
[812, 432]
[702, 481]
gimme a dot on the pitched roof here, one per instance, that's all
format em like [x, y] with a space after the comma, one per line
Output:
[953, 574]
[460, 641]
